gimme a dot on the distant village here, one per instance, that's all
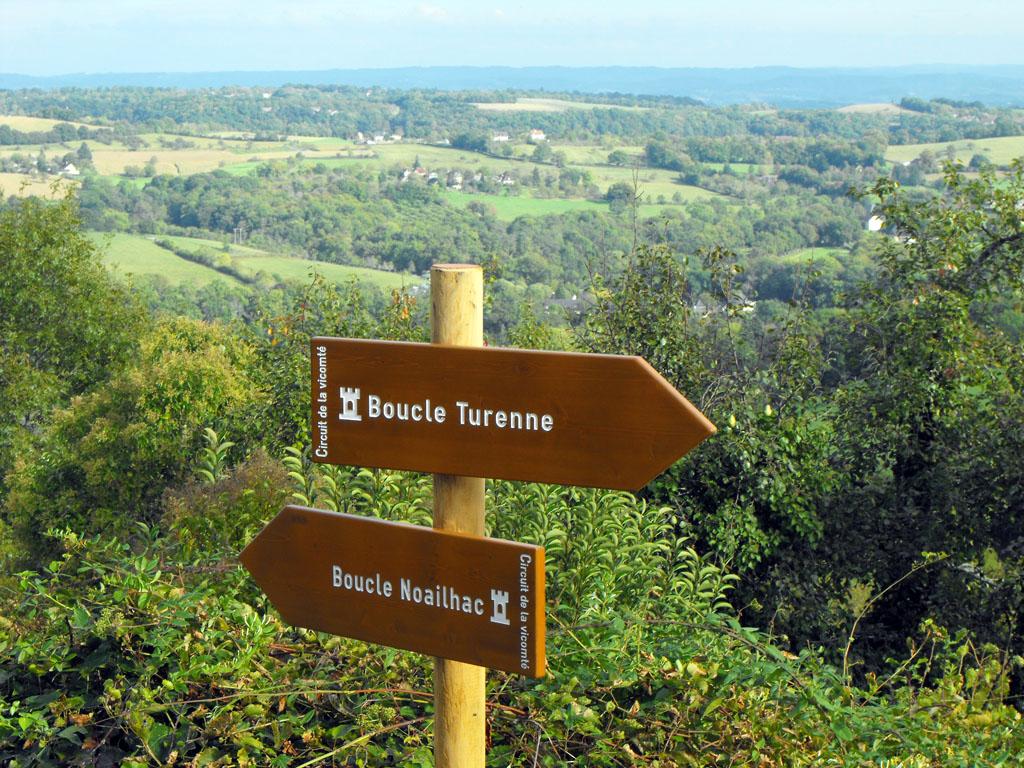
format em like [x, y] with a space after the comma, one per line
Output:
[451, 179]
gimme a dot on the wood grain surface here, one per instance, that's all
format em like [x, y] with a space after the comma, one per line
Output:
[597, 420]
[296, 559]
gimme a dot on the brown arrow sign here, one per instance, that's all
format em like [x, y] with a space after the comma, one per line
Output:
[605, 421]
[471, 599]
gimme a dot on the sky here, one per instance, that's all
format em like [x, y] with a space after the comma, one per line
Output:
[47, 37]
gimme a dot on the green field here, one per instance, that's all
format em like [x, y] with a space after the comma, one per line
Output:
[509, 208]
[585, 154]
[207, 153]
[739, 168]
[139, 255]
[1000, 151]
[651, 182]
[295, 269]
[805, 255]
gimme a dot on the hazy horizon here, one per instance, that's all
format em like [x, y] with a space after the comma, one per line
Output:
[55, 37]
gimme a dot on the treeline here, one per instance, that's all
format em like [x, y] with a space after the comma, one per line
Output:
[58, 134]
[437, 115]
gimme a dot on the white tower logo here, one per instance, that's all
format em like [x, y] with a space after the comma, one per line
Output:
[499, 599]
[349, 404]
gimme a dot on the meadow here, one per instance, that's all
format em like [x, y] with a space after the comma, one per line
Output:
[139, 255]
[205, 153]
[511, 207]
[1000, 151]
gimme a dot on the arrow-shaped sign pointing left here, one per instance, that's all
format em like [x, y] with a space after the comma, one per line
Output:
[460, 597]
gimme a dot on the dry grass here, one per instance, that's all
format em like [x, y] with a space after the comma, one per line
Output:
[873, 109]
[25, 123]
[111, 162]
[22, 185]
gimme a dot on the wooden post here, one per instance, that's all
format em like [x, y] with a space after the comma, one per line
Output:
[457, 318]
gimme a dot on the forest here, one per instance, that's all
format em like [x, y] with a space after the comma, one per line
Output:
[835, 578]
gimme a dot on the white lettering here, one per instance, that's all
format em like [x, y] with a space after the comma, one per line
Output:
[469, 416]
[335, 576]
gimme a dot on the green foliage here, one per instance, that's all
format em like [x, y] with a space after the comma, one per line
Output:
[281, 339]
[532, 333]
[131, 656]
[106, 459]
[929, 406]
[65, 327]
[212, 465]
[215, 519]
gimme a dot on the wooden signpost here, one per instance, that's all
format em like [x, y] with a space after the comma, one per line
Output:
[463, 412]
[472, 599]
[606, 421]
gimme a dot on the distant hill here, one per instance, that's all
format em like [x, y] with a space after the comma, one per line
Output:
[781, 86]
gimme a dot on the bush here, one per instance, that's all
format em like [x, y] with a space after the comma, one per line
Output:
[105, 460]
[216, 519]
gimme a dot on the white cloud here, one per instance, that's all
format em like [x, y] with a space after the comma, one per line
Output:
[432, 12]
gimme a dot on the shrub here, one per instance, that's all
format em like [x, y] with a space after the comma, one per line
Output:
[216, 519]
[106, 459]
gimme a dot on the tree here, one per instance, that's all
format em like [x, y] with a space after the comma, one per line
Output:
[621, 192]
[542, 153]
[618, 157]
[105, 460]
[65, 326]
[932, 406]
